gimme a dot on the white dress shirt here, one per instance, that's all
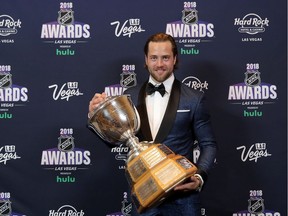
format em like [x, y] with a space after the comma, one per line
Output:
[156, 104]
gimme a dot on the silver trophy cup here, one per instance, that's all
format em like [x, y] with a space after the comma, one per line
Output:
[152, 170]
[116, 121]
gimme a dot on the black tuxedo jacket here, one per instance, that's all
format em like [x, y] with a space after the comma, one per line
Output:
[186, 119]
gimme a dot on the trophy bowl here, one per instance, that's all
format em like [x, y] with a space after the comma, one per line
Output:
[115, 120]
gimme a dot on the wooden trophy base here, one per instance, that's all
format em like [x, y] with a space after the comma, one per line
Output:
[154, 173]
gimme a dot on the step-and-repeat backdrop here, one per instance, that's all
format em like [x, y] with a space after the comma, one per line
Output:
[54, 55]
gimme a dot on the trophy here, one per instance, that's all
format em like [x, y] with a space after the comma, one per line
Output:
[152, 170]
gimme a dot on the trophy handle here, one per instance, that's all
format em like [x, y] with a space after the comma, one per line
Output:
[138, 118]
[91, 126]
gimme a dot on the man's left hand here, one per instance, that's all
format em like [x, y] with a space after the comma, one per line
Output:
[193, 184]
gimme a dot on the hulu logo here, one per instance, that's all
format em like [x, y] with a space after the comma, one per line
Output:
[5, 115]
[66, 179]
[191, 51]
[254, 113]
[66, 52]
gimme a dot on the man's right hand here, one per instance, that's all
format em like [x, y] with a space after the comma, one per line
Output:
[95, 101]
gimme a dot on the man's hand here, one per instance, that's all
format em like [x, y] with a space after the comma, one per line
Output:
[95, 101]
[194, 183]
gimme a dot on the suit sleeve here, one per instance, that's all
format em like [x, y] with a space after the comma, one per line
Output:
[205, 137]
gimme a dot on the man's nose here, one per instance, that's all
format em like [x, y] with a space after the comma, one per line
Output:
[159, 62]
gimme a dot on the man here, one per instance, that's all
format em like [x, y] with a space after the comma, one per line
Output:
[174, 115]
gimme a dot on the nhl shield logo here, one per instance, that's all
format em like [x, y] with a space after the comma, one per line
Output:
[252, 78]
[190, 16]
[5, 80]
[126, 208]
[66, 143]
[65, 17]
[256, 205]
[5, 208]
[128, 79]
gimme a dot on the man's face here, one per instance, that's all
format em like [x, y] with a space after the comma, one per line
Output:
[160, 60]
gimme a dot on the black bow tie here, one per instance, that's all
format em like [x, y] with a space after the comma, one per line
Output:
[150, 89]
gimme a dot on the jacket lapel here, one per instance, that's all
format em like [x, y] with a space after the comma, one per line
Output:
[170, 113]
[169, 116]
[145, 132]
